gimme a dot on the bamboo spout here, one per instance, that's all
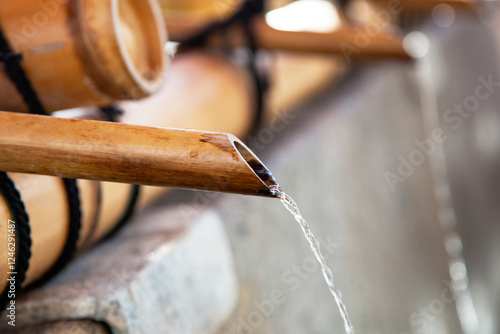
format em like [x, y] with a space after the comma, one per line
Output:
[133, 154]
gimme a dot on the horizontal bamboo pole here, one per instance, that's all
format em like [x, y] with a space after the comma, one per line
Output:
[382, 45]
[399, 12]
[107, 151]
[337, 42]
[84, 52]
[429, 5]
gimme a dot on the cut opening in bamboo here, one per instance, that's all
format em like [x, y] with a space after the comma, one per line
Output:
[254, 163]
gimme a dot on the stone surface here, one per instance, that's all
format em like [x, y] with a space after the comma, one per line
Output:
[163, 273]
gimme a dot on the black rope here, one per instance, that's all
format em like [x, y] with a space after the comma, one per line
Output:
[242, 17]
[260, 81]
[75, 219]
[111, 114]
[343, 4]
[14, 70]
[249, 9]
[17, 75]
[23, 238]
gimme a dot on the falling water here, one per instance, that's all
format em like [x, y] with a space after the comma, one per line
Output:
[418, 44]
[316, 248]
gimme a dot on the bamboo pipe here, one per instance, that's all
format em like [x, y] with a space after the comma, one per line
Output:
[365, 11]
[112, 48]
[429, 5]
[382, 45]
[115, 152]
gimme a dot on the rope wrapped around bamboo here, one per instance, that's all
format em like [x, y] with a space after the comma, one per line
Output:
[108, 59]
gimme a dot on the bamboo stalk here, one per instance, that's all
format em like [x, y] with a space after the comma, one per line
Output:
[84, 52]
[383, 45]
[51, 234]
[106, 151]
[398, 12]
[343, 39]
[429, 5]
